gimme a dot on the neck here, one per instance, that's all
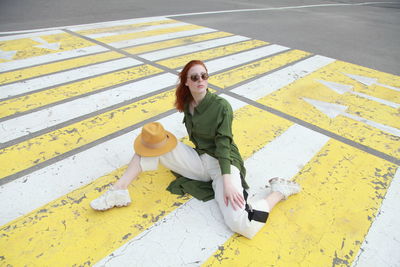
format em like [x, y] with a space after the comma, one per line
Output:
[197, 98]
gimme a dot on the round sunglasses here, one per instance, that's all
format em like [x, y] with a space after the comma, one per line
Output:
[196, 77]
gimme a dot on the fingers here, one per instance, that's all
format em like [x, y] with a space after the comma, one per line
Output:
[237, 201]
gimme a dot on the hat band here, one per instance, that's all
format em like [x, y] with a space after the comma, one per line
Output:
[156, 145]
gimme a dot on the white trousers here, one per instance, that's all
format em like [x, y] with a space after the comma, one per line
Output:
[185, 161]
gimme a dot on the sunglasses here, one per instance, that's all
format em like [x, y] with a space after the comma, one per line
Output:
[196, 77]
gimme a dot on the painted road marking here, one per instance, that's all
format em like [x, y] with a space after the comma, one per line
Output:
[213, 53]
[161, 37]
[344, 88]
[175, 42]
[46, 69]
[243, 57]
[107, 25]
[175, 51]
[381, 232]
[205, 230]
[130, 36]
[370, 81]
[281, 78]
[248, 71]
[136, 30]
[7, 55]
[66, 76]
[78, 161]
[46, 45]
[66, 92]
[28, 47]
[290, 100]
[28, 62]
[140, 27]
[29, 35]
[42, 119]
[334, 110]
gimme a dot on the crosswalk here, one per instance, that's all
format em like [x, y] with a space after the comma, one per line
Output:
[73, 100]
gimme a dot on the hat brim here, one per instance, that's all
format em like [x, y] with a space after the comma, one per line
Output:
[144, 151]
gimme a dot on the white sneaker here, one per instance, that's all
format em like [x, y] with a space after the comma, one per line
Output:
[285, 187]
[110, 199]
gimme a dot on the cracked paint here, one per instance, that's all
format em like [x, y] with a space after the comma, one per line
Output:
[180, 61]
[49, 68]
[175, 42]
[320, 218]
[26, 46]
[39, 149]
[68, 226]
[248, 71]
[290, 101]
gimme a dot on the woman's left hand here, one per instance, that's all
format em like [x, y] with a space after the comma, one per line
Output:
[231, 194]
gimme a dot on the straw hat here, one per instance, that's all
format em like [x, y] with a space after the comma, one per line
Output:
[154, 140]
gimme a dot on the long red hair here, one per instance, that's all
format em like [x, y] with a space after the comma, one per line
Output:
[182, 92]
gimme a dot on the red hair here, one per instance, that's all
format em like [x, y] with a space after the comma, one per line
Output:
[182, 92]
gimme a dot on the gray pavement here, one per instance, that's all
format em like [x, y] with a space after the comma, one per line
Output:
[352, 31]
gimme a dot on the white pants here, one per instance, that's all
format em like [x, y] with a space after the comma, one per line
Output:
[185, 161]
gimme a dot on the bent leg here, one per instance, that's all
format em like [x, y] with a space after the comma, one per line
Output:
[246, 221]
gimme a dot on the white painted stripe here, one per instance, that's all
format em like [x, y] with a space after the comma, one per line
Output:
[278, 79]
[243, 57]
[42, 119]
[32, 61]
[66, 76]
[141, 29]
[379, 100]
[195, 230]
[389, 87]
[175, 51]
[275, 8]
[382, 127]
[381, 245]
[29, 35]
[99, 25]
[161, 37]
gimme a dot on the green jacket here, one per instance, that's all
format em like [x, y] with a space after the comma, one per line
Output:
[210, 130]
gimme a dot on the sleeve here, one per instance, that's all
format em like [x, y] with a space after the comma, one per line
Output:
[223, 139]
[149, 163]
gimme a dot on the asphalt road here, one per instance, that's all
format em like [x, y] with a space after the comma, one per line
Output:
[352, 31]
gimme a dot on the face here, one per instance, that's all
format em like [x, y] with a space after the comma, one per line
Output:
[199, 86]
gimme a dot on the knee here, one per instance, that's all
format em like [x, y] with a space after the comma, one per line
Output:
[236, 223]
[240, 223]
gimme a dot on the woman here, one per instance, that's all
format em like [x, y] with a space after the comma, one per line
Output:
[208, 120]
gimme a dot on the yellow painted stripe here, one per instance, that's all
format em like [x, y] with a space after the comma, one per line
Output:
[290, 100]
[135, 35]
[254, 69]
[323, 225]
[68, 226]
[31, 72]
[127, 27]
[176, 42]
[179, 61]
[42, 98]
[26, 47]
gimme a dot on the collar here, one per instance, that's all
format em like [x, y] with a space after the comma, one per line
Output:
[204, 103]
